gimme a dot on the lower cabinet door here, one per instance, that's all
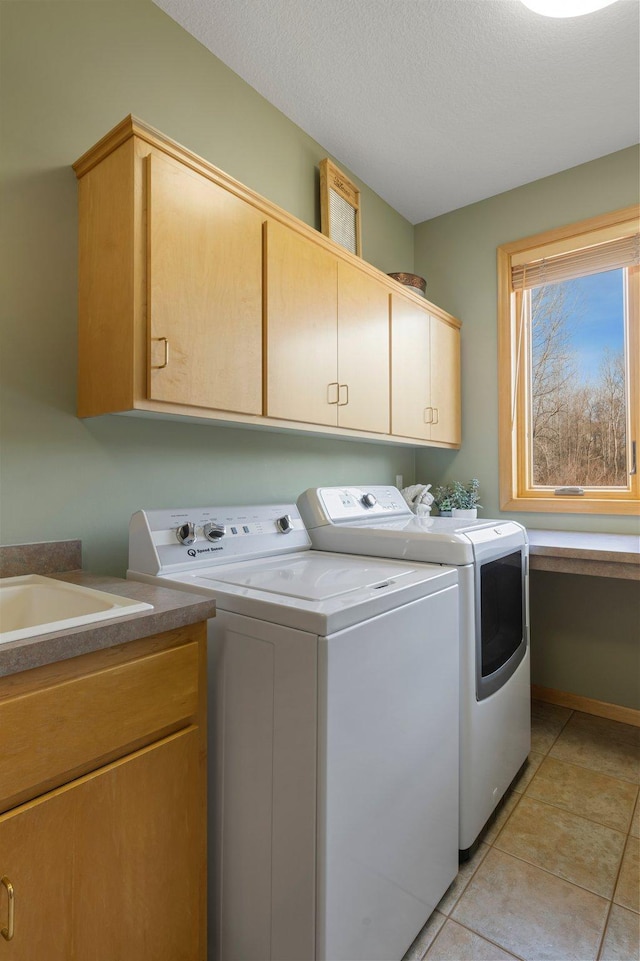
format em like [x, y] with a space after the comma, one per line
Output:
[110, 867]
[36, 864]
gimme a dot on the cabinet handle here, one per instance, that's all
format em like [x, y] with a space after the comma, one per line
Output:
[435, 416]
[335, 384]
[164, 341]
[343, 403]
[430, 421]
[7, 933]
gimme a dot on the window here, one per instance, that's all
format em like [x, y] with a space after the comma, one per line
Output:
[569, 367]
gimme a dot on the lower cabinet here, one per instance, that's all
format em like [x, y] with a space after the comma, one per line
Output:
[111, 865]
[103, 868]
[36, 868]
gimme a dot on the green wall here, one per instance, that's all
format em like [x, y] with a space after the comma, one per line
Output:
[457, 254]
[585, 631]
[70, 72]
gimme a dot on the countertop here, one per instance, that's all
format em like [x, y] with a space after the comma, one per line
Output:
[171, 609]
[578, 552]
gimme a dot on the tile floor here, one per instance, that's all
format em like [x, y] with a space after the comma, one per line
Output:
[556, 877]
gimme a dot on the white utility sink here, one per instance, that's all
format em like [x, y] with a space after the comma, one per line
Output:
[32, 604]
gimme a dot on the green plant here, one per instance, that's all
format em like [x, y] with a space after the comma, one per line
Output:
[456, 495]
[443, 497]
[466, 496]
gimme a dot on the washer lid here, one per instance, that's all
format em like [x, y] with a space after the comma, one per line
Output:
[313, 577]
[316, 592]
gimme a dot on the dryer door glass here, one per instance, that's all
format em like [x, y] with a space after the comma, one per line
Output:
[500, 622]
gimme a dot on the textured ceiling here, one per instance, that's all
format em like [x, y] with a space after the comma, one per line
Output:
[435, 104]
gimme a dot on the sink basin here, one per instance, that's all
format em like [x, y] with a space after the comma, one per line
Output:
[32, 604]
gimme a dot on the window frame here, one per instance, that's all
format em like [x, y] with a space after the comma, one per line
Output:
[515, 492]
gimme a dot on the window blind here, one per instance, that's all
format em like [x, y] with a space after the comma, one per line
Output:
[622, 252]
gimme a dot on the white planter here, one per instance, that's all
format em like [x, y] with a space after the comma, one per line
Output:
[470, 513]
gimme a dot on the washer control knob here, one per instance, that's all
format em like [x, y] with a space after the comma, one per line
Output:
[369, 500]
[186, 534]
[213, 532]
[285, 524]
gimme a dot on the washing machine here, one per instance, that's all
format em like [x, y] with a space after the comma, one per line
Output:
[333, 733]
[491, 557]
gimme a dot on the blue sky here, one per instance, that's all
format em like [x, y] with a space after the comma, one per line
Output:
[601, 322]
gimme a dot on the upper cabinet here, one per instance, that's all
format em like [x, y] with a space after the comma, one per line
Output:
[363, 350]
[199, 298]
[204, 265]
[301, 327]
[170, 304]
[425, 374]
[444, 341]
[327, 337]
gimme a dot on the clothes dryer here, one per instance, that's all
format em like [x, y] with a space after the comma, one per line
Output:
[491, 557]
[333, 732]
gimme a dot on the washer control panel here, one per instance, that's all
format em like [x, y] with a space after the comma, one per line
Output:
[186, 533]
[213, 532]
[285, 524]
[167, 541]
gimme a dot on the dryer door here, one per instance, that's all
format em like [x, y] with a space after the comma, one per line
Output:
[501, 619]
[501, 558]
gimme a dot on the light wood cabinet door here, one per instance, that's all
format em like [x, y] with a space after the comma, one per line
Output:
[140, 820]
[425, 374]
[204, 292]
[109, 866]
[363, 351]
[445, 382]
[36, 857]
[301, 328]
[410, 369]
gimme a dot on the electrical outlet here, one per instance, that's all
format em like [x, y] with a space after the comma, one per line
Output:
[399, 481]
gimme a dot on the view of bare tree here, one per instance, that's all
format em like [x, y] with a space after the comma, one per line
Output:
[578, 425]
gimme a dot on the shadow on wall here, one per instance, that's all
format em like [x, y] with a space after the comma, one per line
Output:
[584, 636]
[39, 326]
[436, 466]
